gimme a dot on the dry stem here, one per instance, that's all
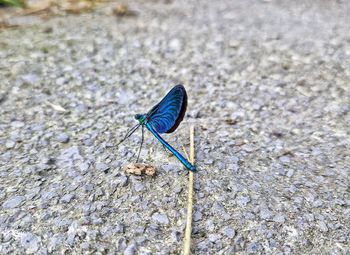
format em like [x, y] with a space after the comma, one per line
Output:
[187, 244]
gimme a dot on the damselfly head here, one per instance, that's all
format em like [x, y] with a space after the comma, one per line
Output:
[140, 118]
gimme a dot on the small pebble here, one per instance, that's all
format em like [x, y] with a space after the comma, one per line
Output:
[243, 200]
[265, 214]
[123, 181]
[30, 242]
[30, 79]
[84, 166]
[67, 198]
[160, 218]
[290, 173]
[13, 202]
[10, 144]
[323, 226]
[197, 216]
[279, 218]
[214, 237]
[55, 241]
[102, 167]
[130, 250]
[63, 138]
[119, 228]
[253, 248]
[139, 187]
[229, 232]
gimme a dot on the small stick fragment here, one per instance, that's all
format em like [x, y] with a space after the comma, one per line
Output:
[184, 149]
[188, 231]
[57, 107]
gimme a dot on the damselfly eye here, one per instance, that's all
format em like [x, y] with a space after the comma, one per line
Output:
[138, 116]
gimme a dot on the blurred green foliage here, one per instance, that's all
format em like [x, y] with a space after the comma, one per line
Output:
[18, 3]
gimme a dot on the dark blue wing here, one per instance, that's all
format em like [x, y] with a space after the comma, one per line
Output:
[166, 116]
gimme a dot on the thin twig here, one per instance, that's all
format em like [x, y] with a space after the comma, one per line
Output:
[185, 152]
[187, 245]
[57, 107]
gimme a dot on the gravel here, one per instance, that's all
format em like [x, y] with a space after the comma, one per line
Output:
[229, 232]
[139, 187]
[265, 214]
[130, 250]
[30, 242]
[279, 218]
[13, 202]
[102, 167]
[67, 198]
[160, 218]
[63, 138]
[268, 93]
[197, 216]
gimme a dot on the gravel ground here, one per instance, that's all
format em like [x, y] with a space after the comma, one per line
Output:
[268, 86]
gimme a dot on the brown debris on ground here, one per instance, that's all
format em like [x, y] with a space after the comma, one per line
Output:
[140, 169]
[122, 10]
[45, 9]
